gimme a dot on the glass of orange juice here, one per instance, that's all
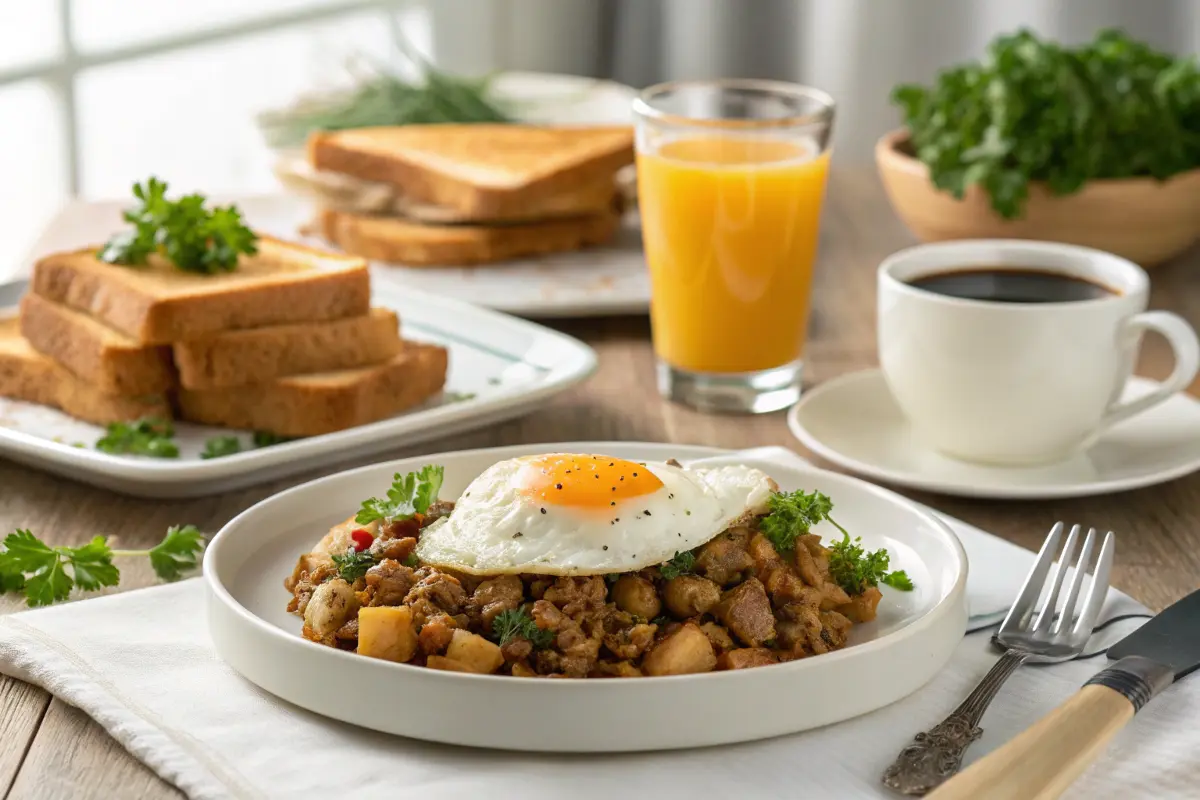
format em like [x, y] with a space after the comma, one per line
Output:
[731, 177]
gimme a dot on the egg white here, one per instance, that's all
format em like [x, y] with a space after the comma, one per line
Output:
[496, 528]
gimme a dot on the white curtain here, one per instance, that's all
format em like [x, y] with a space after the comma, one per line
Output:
[854, 49]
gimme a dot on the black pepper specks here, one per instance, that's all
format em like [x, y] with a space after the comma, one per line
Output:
[687, 511]
[605, 547]
[670, 496]
[613, 503]
[517, 535]
[635, 474]
[543, 511]
[646, 511]
[558, 486]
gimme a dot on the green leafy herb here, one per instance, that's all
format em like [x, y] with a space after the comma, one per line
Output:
[219, 446]
[612, 577]
[855, 569]
[149, 436]
[48, 574]
[791, 514]
[515, 622]
[660, 620]
[353, 564]
[383, 97]
[458, 397]
[411, 561]
[1034, 110]
[681, 564]
[267, 439]
[190, 236]
[410, 494]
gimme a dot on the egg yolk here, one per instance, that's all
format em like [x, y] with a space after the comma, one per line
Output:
[586, 481]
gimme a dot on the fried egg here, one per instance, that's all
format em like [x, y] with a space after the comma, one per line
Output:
[570, 514]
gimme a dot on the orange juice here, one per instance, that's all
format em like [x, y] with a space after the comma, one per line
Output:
[730, 231]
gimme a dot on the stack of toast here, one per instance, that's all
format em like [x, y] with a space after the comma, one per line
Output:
[430, 195]
[287, 343]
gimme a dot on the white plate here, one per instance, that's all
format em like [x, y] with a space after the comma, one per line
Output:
[854, 422]
[509, 366]
[911, 640]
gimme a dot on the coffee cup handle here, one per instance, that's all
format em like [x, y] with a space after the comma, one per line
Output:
[1186, 347]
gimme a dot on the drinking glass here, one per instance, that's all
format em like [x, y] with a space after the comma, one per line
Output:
[731, 178]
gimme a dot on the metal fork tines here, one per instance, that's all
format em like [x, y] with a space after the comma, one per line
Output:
[1038, 628]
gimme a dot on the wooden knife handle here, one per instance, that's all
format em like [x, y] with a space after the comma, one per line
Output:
[1042, 762]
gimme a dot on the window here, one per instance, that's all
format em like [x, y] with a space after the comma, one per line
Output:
[97, 94]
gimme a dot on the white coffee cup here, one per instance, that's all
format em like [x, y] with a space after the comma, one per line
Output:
[1019, 383]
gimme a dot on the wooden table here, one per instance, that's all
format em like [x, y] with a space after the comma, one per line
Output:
[52, 750]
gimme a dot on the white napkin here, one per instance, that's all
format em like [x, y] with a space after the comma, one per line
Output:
[140, 664]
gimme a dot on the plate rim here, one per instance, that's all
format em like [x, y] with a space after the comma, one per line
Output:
[219, 592]
[955, 488]
[583, 364]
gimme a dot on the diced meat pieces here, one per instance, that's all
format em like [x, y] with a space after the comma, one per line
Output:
[395, 549]
[389, 582]
[637, 596]
[690, 595]
[720, 638]
[833, 596]
[746, 612]
[763, 553]
[629, 643]
[808, 568]
[746, 657]
[683, 652]
[576, 595]
[835, 629]
[800, 631]
[435, 635]
[862, 608]
[439, 509]
[495, 595]
[516, 650]
[434, 594]
[723, 559]
[615, 669]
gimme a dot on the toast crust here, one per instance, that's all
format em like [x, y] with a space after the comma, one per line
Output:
[310, 405]
[257, 355]
[26, 374]
[107, 360]
[404, 242]
[480, 171]
[159, 304]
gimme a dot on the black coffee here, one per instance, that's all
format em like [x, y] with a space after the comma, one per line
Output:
[1008, 285]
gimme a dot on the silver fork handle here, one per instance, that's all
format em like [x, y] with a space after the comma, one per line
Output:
[937, 754]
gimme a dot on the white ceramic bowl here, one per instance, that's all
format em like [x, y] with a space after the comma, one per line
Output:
[910, 641]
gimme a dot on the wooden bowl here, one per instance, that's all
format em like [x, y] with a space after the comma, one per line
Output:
[1144, 220]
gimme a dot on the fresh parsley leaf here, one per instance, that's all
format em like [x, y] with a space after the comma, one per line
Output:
[856, 569]
[681, 564]
[193, 238]
[514, 622]
[12, 579]
[149, 436]
[177, 552]
[219, 446]
[411, 561]
[791, 514]
[410, 494]
[91, 565]
[353, 564]
[1033, 110]
[47, 574]
[267, 439]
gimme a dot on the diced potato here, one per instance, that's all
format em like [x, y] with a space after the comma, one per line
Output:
[387, 632]
[475, 651]
[685, 651]
[636, 595]
[447, 664]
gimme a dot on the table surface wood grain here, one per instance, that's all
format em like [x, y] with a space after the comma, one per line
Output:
[53, 750]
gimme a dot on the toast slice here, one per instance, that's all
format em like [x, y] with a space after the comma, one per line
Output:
[26, 374]
[405, 242]
[310, 405]
[96, 354]
[480, 171]
[160, 304]
[257, 355]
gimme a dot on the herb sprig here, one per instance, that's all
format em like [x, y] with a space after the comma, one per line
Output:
[514, 622]
[856, 569]
[190, 236]
[220, 446]
[791, 514]
[149, 436]
[353, 564]
[47, 574]
[1033, 110]
[412, 493]
[681, 564]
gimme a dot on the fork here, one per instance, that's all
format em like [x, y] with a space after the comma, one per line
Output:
[1028, 633]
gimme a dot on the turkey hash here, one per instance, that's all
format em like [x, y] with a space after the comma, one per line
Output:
[574, 566]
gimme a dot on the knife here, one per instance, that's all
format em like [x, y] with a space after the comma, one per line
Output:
[1044, 760]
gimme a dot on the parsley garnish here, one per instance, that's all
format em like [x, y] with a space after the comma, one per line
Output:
[193, 238]
[48, 574]
[411, 561]
[515, 622]
[266, 439]
[855, 569]
[791, 514]
[219, 446]
[1034, 110]
[149, 436]
[410, 494]
[681, 564]
[353, 564]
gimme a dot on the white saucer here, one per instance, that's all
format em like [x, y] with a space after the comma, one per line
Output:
[854, 422]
